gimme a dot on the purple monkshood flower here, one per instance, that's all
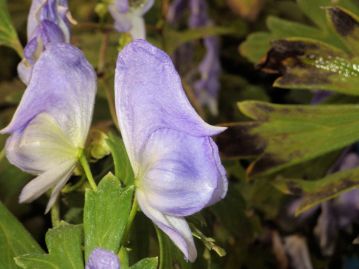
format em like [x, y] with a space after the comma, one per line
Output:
[49, 128]
[102, 259]
[48, 22]
[128, 16]
[207, 86]
[177, 167]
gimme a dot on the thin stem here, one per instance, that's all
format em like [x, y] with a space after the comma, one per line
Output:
[131, 218]
[55, 214]
[161, 245]
[86, 167]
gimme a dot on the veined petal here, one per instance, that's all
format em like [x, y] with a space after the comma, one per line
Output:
[41, 146]
[182, 174]
[149, 96]
[176, 228]
[39, 185]
[63, 84]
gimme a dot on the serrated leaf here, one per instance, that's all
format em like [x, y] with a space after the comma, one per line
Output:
[65, 250]
[284, 135]
[106, 213]
[15, 240]
[8, 35]
[314, 192]
[312, 65]
[346, 25]
[147, 263]
[123, 168]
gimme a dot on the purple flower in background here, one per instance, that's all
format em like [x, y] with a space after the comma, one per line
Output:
[102, 259]
[128, 16]
[48, 22]
[176, 163]
[207, 86]
[337, 214]
[50, 126]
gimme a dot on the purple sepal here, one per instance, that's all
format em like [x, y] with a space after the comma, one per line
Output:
[102, 259]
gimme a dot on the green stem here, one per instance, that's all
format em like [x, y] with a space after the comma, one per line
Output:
[86, 167]
[161, 245]
[55, 214]
[131, 218]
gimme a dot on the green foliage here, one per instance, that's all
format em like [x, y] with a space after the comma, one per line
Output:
[106, 214]
[315, 192]
[65, 250]
[170, 255]
[148, 263]
[8, 35]
[285, 135]
[123, 169]
[14, 239]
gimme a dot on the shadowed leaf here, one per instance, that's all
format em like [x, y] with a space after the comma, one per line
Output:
[346, 24]
[317, 191]
[8, 35]
[15, 240]
[285, 135]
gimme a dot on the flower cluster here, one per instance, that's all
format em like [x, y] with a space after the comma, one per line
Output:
[175, 161]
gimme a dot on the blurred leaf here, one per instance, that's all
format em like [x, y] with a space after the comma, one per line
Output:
[105, 215]
[173, 39]
[15, 240]
[208, 242]
[147, 263]
[256, 46]
[284, 135]
[314, 11]
[8, 35]
[123, 168]
[346, 24]
[247, 9]
[170, 256]
[65, 250]
[314, 192]
[309, 64]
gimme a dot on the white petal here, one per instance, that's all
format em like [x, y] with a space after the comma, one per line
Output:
[46, 181]
[41, 146]
[176, 228]
[138, 30]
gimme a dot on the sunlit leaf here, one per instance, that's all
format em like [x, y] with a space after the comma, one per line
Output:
[148, 263]
[309, 64]
[106, 213]
[65, 250]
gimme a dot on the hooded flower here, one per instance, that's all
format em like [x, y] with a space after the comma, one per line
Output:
[50, 126]
[176, 163]
[48, 22]
[128, 16]
[102, 259]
